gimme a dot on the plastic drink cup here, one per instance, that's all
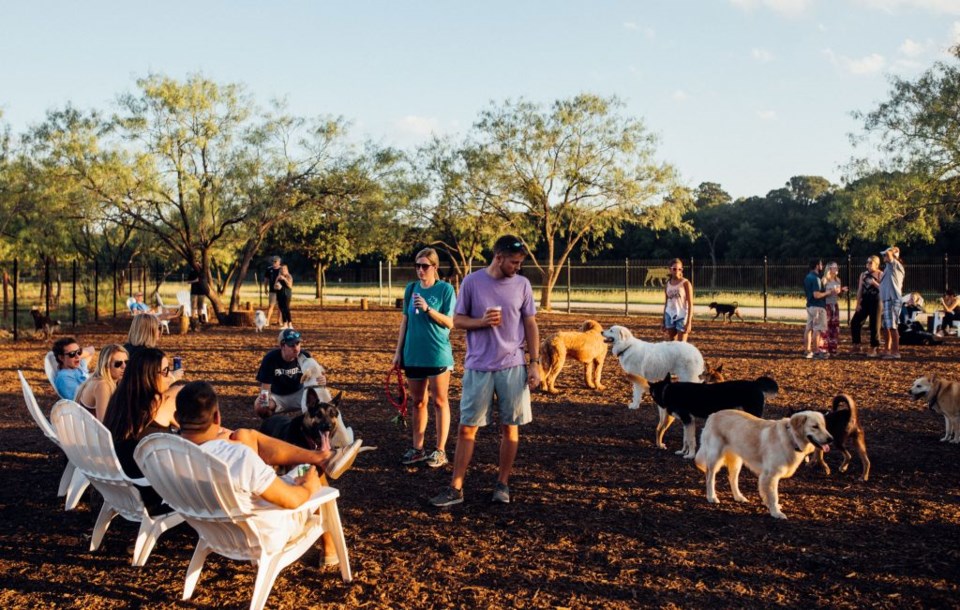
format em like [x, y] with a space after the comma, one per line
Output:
[303, 469]
[177, 363]
[264, 397]
[416, 310]
[499, 310]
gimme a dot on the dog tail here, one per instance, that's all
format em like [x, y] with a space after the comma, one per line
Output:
[768, 385]
[639, 380]
[841, 399]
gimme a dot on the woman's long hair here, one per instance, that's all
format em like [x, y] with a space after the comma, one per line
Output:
[102, 372]
[144, 330]
[137, 397]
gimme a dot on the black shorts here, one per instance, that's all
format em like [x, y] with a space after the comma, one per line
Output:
[419, 373]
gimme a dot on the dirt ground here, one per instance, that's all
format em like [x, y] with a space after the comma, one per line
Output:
[600, 518]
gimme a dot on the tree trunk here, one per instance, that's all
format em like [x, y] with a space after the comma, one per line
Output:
[246, 258]
[322, 281]
[549, 276]
[319, 289]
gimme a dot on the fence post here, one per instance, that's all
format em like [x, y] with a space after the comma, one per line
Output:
[96, 290]
[765, 286]
[849, 284]
[626, 286]
[692, 283]
[946, 280]
[16, 284]
[130, 278]
[389, 278]
[568, 285]
[74, 290]
[114, 289]
[380, 281]
[46, 283]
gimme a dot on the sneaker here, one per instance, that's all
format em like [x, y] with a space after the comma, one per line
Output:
[808, 355]
[413, 456]
[821, 356]
[437, 459]
[342, 460]
[891, 356]
[448, 497]
[501, 494]
[873, 353]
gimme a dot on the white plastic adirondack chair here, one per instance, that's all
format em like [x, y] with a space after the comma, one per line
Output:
[183, 298]
[50, 367]
[199, 487]
[72, 483]
[89, 445]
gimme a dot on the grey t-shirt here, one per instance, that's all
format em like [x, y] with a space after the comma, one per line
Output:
[891, 283]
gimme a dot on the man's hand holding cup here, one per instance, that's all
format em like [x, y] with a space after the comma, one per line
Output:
[493, 316]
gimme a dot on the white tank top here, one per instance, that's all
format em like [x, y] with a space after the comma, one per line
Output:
[676, 300]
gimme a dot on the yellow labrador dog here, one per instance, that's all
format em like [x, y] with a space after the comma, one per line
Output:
[943, 397]
[771, 449]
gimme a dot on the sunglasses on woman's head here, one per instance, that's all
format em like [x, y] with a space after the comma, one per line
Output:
[119, 364]
[73, 354]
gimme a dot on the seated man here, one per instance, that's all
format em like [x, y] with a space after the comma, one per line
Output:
[912, 304]
[250, 456]
[138, 306]
[280, 377]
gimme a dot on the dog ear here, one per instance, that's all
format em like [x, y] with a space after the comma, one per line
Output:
[719, 368]
[336, 399]
[797, 421]
[667, 378]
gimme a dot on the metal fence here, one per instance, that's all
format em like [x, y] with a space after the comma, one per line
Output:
[76, 291]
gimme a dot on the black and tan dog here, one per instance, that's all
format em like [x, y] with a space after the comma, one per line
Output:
[43, 325]
[843, 425]
[687, 401]
[311, 429]
[727, 311]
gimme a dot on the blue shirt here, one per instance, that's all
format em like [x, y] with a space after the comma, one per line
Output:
[426, 343]
[68, 380]
[812, 284]
[142, 307]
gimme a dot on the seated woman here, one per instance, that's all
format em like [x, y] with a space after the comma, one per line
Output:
[912, 304]
[94, 393]
[143, 403]
[951, 308]
[144, 332]
[72, 366]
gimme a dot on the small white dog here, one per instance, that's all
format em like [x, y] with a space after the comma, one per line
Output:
[260, 320]
[771, 449]
[654, 361]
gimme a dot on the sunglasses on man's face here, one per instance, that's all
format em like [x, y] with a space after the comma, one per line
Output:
[117, 364]
[73, 354]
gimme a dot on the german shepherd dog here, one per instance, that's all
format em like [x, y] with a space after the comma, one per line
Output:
[727, 311]
[43, 326]
[311, 429]
[701, 400]
[843, 425]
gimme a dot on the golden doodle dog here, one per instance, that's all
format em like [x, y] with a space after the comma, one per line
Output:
[771, 449]
[943, 397]
[586, 346]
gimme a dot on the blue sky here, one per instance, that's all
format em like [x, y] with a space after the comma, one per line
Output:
[746, 93]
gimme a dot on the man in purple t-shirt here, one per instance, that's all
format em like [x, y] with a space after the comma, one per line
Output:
[497, 310]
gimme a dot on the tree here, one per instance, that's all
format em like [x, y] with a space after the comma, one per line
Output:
[711, 217]
[916, 187]
[567, 176]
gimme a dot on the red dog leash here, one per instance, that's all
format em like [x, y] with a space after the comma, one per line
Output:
[399, 401]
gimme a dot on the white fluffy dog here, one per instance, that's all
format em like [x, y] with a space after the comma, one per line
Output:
[260, 320]
[654, 361]
[771, 449]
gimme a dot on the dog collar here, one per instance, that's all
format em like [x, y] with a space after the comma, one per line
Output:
[621, 352]
[792, 440]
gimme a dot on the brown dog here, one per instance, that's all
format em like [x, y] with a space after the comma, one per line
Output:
[943, 398]
[586, 346]
[712, 375]
[843, 425]
[44, 327]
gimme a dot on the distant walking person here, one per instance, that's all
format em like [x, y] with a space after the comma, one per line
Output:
[891, 293]
[869, 307]
[816, 326]
[423, 348]
[677, 304]
[497, 310]
[833, 288]
[273, 287]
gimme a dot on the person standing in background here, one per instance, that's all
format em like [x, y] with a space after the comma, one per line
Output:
[677, 304]
[270, 281]
[868, 307]
[833, 288]
[891, 293]
[284, 296]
